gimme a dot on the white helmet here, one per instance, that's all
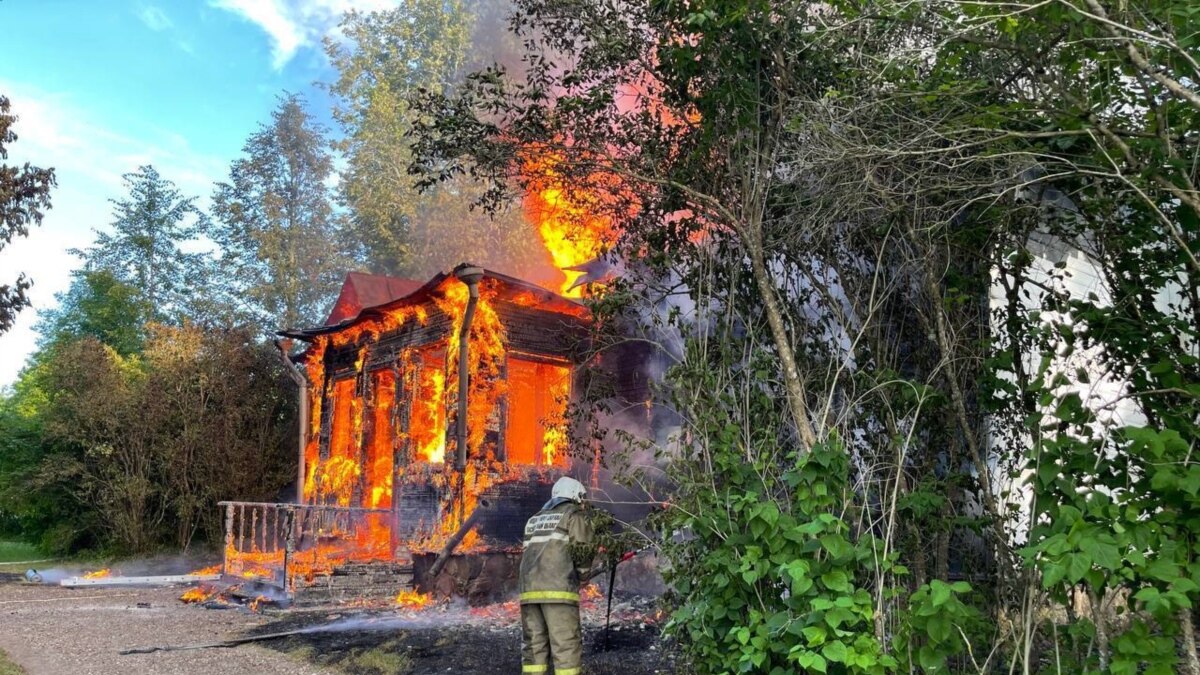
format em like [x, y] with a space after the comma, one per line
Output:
[569, 488]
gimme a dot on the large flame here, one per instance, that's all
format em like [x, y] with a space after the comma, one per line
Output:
[391, 426]
[574, 217]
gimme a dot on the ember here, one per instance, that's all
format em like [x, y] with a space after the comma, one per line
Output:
[591, 593]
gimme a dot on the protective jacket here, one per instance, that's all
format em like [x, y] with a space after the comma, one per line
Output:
[558, 552]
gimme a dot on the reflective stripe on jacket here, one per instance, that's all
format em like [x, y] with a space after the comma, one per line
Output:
[548, 571]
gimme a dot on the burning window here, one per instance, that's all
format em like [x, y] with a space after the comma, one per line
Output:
[379, 452]
[340, 472]
[537, 403]
[428, 419]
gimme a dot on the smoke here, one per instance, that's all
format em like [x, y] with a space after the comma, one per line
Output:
[165, 565]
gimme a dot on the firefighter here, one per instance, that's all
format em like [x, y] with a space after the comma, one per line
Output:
[558, 553]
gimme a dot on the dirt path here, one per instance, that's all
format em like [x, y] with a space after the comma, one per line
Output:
[59, 631]
[47, 629]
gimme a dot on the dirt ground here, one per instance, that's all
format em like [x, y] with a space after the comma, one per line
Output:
[461, 640]
[54, 630]
[57, 631]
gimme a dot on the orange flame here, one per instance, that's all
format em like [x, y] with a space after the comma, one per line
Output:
[573, 217]
[98, 574]
[413, 600]
[367, 438]
[198, 594]
[591, 593]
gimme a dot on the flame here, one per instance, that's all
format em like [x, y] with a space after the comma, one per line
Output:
[486, 349]
[573, 217]
[315, 364]
[381, 453]
[413, 600]
[591, 593]
[198, 594]
[258, 601]
[429, 415]
[211, 569]
[98, 574]
[371, 450]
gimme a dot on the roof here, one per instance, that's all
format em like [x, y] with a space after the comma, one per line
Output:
[513, 287]
[361, 290]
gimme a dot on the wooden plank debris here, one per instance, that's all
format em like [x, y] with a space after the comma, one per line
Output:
[140, 581]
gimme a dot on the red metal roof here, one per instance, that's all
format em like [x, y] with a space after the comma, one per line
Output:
[361, 290]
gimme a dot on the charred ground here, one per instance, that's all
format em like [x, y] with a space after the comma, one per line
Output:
[487, 641]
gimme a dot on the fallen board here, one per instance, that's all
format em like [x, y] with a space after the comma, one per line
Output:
[140, 581]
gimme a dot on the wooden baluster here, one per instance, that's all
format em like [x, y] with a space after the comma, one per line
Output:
[228, 538]
[253, 529]
[241, 527]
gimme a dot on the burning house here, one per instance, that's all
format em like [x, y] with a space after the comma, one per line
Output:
[433, 418]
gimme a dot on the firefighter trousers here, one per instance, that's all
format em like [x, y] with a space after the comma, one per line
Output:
[550, 633]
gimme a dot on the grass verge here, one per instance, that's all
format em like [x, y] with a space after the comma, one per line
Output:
[16, 551]
[7, 667]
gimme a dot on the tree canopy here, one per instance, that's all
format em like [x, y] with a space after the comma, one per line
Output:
[277, 235]
[24, 199]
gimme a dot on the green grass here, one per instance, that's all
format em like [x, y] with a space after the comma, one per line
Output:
[7, 667]
[16, 551]
[378, 660]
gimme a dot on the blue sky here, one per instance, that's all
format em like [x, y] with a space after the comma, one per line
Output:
[103, 86]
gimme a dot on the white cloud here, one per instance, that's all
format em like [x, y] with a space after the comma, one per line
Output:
[293, 24]
[155, 18]
[89, 158]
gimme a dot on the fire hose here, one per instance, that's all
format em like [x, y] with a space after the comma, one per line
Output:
[612, 583]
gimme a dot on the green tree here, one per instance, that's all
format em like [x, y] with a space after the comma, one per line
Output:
[24, 199]
[825, 337]
[387, 56]
[131, 453]
[97, 305]
[151, 228]
[274, 220]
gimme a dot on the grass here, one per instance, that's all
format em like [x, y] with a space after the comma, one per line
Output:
[384, 659]
[378, 660]
[7, 667]
[17, 551]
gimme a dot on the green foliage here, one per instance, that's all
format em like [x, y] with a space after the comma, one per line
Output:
[130, 453]
[97, 305]
[938, 621]
[765, 589]
[17, 551]
[24, 199]
[278, 238]
[145, 248]
[386, 57]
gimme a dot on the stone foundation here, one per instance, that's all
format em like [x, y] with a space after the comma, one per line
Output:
[481, 578]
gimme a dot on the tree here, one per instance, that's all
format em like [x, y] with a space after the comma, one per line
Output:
[131, 453]
[146, 247]
[24, 198]
[274, 220]
[388, 56]
[897, 179]
[97, 305]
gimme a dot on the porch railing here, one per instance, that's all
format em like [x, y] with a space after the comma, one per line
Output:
[282, 544]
